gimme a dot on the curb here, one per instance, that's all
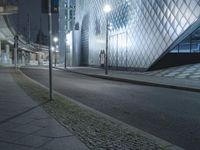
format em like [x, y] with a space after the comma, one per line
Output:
[138, 82]
[167, 145]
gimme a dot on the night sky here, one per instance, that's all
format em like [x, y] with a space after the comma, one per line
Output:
[33, 7]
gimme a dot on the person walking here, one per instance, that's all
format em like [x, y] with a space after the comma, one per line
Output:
[102, 58]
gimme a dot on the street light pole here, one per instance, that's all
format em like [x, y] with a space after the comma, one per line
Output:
[107, 9]
[50, 52]
[16, 41]
[55, 58]
[106, 59]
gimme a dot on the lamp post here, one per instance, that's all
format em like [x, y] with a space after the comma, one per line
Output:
[56, 52]
[16, 41]
[55, 39]
[50, 50]
[107, 9]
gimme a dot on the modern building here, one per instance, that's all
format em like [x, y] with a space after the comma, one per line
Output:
[66, 32]
[143, 34]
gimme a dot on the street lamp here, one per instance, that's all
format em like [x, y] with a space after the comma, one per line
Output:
[107, 9]
[52, 49]
[55, 39]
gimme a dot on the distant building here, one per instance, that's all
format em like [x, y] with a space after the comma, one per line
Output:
[41, 38]
[66, 32]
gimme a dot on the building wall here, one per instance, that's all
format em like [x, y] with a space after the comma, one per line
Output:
[141, 31]
[66, 25]
[62, 30]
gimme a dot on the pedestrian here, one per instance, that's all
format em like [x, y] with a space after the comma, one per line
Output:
[102, 58]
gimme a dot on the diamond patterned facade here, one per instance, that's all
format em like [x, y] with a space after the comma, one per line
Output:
[141, 30]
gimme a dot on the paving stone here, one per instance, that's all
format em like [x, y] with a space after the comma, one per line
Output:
[7, 136]
[26, 129]
[37, 114]
[197, 73]
[42, 122]
[22, 120]
[9, 126]
[9, 146]
[42, 149]
[53, 131]
[67, 143]
[2, 144]
[32, 140]
[197, 76]
[182, 72]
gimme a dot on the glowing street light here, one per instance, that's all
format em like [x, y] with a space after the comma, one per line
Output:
[55, 39]
[52, 49]
[107, 9]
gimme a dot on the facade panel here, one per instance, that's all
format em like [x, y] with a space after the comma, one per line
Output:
[141, 30]
[66, 26]
[62, 30]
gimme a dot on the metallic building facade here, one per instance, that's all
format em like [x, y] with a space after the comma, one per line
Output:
[62, 30]
[66, 23]
[141, 30]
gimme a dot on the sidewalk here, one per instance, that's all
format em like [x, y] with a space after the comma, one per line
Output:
[25, 126]
[151, 79]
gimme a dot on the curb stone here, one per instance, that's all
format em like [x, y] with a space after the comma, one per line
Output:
[138, 82]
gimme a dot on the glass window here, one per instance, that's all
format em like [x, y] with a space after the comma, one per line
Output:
[189, 45]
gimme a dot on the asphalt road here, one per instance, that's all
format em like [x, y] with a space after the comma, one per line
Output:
[172, 115]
